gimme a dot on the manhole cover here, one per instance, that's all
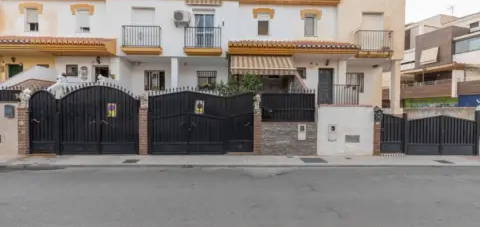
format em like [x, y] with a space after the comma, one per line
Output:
[313, 160]
[444, 162]
[130, 161]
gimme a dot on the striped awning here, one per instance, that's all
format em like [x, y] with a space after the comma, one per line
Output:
[262, 65]
[204, 2]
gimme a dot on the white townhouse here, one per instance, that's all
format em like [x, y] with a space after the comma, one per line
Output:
[156, 44]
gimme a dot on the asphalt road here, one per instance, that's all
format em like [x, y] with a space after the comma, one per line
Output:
[316, 197]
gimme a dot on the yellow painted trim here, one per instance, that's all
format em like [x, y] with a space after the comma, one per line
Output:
[75, 7]
[269, 11]
[203, 51]
[287, 51]
[305, 12]
[108, 49]
[30, 5]
[374, 54]
[142, 51]
[293, 2]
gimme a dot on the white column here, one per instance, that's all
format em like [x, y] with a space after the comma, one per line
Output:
[174, 72]
[341, 72]
[395, 88]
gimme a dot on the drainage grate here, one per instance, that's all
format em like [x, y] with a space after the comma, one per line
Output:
[130, 161]
[444, 162]
[313, 160]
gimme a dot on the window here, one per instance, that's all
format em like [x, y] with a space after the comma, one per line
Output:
[14, 69]
[474, 25]
[206, 79]
[357, 79]
[310, 22]
[302, 72]
[467, 45]
[31, 20]
[83, 21]
[204, 30]
[408, 34]
[154, 80]
[71, 70]
[263, 24]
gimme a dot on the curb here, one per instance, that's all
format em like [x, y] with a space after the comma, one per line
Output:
[52, 167]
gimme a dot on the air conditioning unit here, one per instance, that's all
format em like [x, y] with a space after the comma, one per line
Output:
[181, 18]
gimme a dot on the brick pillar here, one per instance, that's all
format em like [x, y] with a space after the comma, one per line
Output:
[143, 127]
[257, 133]
[257, 126]
[23, 131]
[377, 130]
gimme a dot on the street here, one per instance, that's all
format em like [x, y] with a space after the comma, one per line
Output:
[243, 197]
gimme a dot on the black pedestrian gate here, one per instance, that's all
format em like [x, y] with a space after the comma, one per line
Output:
[90, 120]
[190, 122]
[441, 135]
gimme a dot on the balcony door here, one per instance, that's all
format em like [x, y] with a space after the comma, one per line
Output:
[139, 33]
[204, 34]
[373, 25]
[325, 86]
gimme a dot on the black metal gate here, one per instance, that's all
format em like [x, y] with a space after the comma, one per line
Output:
[441, 135]
[190, 122]
[90, 120]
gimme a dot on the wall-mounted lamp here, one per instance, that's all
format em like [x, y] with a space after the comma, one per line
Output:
[14, 59]
[98, 60]
[327, 62]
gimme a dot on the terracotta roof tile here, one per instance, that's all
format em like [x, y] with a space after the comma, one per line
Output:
[45, 40]
[293, 44]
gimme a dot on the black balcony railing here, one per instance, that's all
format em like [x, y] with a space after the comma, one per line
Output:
[203, 37]
[346, 94]
[141, 36]
[298, 106]
[374, 40]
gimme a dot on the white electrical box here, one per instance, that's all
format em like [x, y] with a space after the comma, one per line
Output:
[332, 133]
[302, 131]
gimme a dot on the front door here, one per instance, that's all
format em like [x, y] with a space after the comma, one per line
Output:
[204, 30]
[325, 86]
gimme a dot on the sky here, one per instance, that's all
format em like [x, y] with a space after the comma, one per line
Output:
[421, 9]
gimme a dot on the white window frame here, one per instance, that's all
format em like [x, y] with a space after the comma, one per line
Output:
[315, 25]
[27, 24]
[79, 14]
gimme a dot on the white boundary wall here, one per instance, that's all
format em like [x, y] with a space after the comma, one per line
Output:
[354, 121]
[8, 131]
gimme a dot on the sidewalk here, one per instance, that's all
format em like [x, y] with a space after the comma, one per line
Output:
[239, 161]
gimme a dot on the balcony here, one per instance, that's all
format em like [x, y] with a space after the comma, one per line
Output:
[341, 94]
[141, 39]
[203, 41]
[374, 43]
[428, 89]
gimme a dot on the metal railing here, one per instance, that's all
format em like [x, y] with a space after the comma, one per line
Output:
[346, 94]
[374, 40]
[426, 83]
[203, 37]
[141, 36]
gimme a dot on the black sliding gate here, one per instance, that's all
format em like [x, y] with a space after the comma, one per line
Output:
[190, 122]
[90, 120]
[441, 135]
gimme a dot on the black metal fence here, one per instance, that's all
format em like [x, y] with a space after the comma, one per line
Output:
[203, 37]
[10, 94]
[346, 94]
[141, 36]
[374, 40]
[440, 135]
[288, 107]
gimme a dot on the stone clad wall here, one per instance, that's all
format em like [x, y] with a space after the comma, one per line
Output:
[281, 138]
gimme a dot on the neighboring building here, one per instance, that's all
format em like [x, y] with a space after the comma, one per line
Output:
[148, 45]
[441, 67]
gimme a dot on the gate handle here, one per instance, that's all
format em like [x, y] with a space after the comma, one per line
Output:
[246, 124]
[105, 122]
[92, 122]
[193, 124]
[35, 121]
